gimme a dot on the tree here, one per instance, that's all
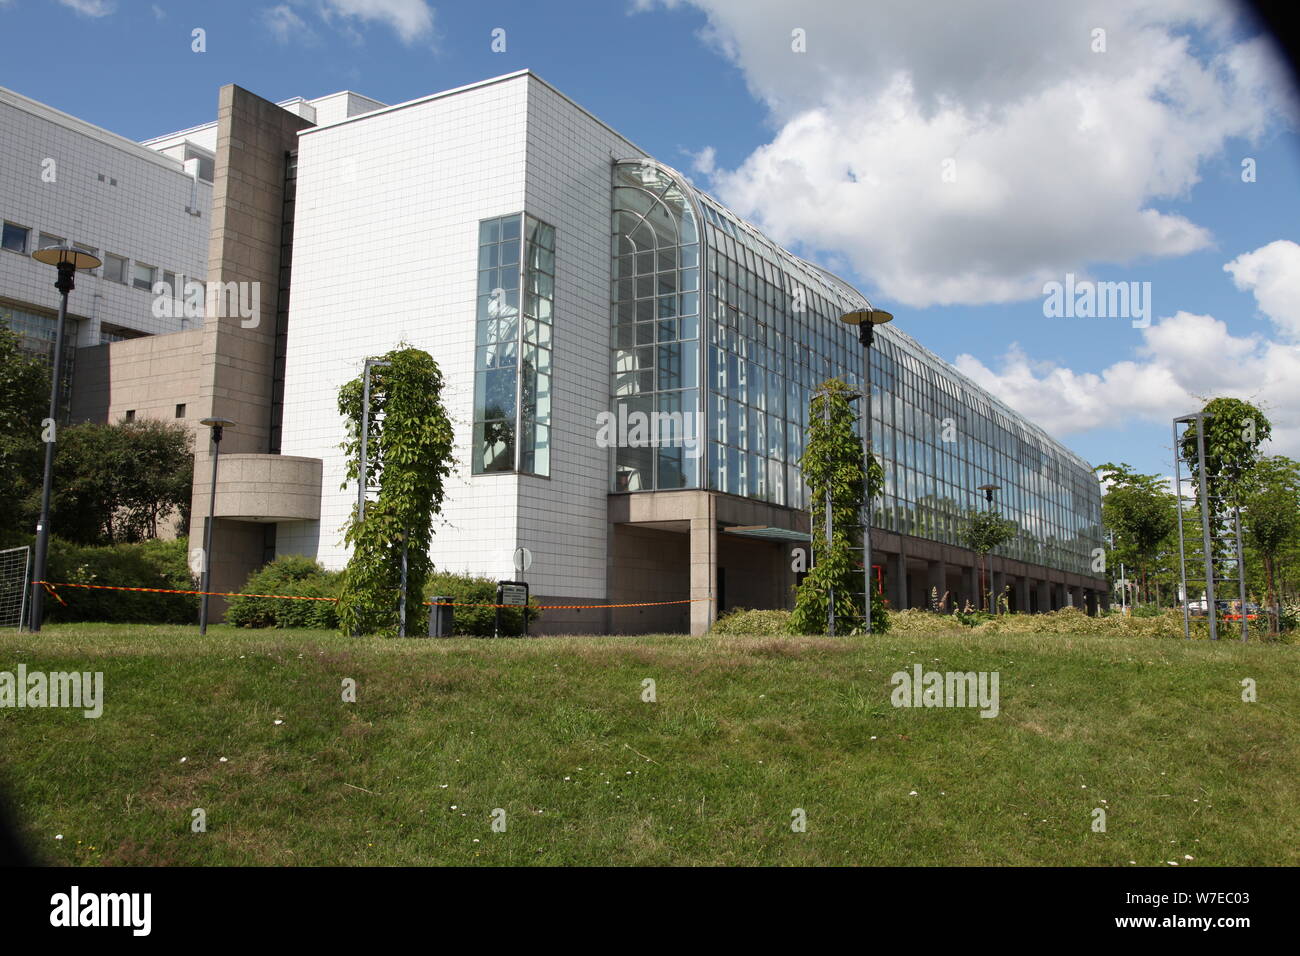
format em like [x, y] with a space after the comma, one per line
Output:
[1234, 431]
[832, 463]
[1142, 515]
[24, 403]
[986, 530]
[409, 456]
[1272, 515]
[117, 483]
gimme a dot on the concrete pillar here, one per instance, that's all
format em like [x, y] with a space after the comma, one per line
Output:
[1090, 600]
[1076, 598]
[1104, 598]
[1022, 595]
[998, 580]
[969, 586]
[1043, 591]
[936, 581]
[704, 565]
[896, 575]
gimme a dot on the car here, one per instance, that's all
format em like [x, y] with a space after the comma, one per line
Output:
[1233, 612]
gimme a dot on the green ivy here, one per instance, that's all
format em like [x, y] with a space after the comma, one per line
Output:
[409, 454]
[833, 461]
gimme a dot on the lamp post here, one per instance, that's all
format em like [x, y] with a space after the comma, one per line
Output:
[217, 425]
[866, 320]
[988, 555]
[67, 260]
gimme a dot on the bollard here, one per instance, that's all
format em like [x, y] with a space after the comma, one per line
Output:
[440, 617]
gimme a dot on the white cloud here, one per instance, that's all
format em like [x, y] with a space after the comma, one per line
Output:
[1184, 360]
[1062, 156]
[1272, 274]
[411, 20]
[90, 8]
[285, 25]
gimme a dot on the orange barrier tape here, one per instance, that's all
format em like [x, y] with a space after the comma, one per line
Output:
[53, 593]
[50, 586]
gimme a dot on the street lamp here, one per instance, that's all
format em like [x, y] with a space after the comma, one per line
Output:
[988, 555]
[866, 320]
[218, 425]
[67, 260]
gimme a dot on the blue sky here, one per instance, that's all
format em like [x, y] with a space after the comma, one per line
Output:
[1116, 164]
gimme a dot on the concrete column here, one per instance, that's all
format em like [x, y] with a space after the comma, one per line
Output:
[998, 579]
[896, 573]
[969, 586]
[1090, 600]
[1044, 592]
[704, 566]
[1022, 594]
[1104, 598]
[1076, 596]
[936, 580]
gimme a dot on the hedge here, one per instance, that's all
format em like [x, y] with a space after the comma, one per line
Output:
[290, 574]
[146, 564]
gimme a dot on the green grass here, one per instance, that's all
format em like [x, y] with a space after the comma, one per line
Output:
[745, 730]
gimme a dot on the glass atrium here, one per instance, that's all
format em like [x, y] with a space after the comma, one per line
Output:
[713, 322]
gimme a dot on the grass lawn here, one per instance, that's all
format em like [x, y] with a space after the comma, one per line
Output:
[744, 731]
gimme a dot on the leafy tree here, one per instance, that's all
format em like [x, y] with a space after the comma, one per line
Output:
[1234, 431]
[1272, 515]
[24, 404]
[986, 530]
[1142, 515]
[833, 462]
[409, 456]
[118, 483]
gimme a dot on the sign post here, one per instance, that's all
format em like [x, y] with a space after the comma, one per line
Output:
[510, 594]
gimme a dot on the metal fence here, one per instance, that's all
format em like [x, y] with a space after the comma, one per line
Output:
[14, 566]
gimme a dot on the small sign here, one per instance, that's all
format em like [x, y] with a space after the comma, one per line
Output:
[523, 559]
[513, 593]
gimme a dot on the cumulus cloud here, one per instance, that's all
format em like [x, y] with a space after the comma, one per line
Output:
[1272, 274]
[1184, 360]
[965, 153]
[90, 8]
[411, 20]
[285, 25]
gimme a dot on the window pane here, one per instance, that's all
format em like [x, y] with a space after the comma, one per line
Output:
[14, 238]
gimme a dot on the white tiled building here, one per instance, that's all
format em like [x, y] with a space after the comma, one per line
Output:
[145, 214]
[385, 251]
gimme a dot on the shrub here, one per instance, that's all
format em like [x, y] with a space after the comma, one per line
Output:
[742, 622]
[289, 574]
[468, 621]
[1146, 610]
[146, 564]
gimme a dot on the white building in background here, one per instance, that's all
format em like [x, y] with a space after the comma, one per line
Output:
[144, 213]
[143, 208]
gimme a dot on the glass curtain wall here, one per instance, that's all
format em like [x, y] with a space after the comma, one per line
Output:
[771, 333]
